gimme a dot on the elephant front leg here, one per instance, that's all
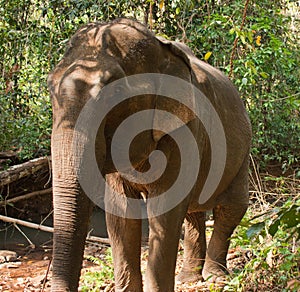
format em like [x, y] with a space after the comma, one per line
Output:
[194, 248]
[125, 236]
[164, 236]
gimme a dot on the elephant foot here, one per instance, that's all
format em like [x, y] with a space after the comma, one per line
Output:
[189, 276]
[214, 272]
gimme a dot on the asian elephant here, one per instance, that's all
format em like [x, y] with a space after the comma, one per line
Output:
[99, 55]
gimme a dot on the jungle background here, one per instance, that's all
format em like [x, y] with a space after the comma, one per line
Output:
[255, 43]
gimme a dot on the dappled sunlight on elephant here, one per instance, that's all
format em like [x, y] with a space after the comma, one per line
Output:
[144, 129]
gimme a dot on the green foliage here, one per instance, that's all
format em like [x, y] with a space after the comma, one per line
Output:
[269, 70]
[265, 63]
[96, 280]
[286, 217]
[25, 112]
[273, 250]
[30, 132]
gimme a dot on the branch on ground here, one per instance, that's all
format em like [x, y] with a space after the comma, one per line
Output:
[19, 171]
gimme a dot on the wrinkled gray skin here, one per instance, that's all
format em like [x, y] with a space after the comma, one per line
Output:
[99, 54]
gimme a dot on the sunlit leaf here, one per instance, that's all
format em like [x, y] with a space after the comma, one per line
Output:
[264, 75]
[232, 31]
[161, 4]
[207, 56]
[243, 39]
[250, 36]
[258, 40]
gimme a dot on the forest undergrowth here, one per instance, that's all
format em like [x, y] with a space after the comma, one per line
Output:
[255, 43]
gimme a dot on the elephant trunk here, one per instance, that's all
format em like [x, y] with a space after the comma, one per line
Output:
[71, 214]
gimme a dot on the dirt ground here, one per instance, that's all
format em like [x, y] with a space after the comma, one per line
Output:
[32, 269]
[28, 272]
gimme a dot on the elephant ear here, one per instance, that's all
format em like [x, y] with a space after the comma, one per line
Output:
[179, 49]
[177, 64]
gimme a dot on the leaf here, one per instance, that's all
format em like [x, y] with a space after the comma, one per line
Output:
[286, 266]
[250, 36]
[161, 4]
[207, 56]
[232, 30]
[264, 75]
[258, 40]
[177, 11]
[291, 217]
[243, 39]
[255, 229]
[274, 227]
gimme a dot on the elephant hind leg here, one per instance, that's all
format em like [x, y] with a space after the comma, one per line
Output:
[228, 213]
[215, 268]
[194, 247]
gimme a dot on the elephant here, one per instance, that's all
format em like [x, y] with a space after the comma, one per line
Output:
[99, 55]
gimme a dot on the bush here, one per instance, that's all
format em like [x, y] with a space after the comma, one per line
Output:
[271, 242]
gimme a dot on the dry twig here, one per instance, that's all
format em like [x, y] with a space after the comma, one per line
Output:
[26, 196]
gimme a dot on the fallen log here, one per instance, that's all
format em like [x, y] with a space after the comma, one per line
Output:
[26, 196]
[46, 228]
[8, 155]
[21, 170]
